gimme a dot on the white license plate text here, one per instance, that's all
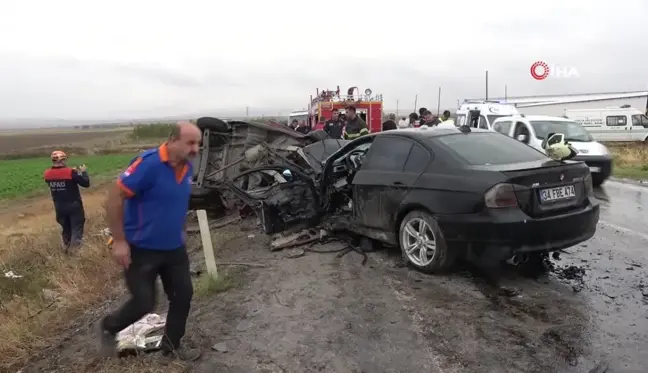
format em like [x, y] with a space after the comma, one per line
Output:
[558, 193]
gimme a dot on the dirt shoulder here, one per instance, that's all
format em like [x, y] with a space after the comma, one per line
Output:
[32, 215]
[322, 313]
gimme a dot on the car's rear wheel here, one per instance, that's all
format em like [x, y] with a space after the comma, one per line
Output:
[598, 179]
[422, 243]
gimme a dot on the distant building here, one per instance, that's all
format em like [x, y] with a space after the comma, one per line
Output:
[556, 105]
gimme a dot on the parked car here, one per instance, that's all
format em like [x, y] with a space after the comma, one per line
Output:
[533, 129]
[435, 193]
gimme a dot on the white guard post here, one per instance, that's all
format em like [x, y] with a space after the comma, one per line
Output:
[208, 248]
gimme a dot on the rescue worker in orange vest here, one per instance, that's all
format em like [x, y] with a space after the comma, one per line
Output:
[355, 126]
[64, 183]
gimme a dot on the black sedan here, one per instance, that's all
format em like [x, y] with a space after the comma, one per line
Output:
[435, 193]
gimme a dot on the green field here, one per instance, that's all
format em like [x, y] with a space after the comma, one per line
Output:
[23, 177]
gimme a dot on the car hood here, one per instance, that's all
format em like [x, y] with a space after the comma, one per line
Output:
[590, 148]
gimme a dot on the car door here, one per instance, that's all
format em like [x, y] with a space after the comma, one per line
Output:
[381, 183]
[638, 129]
[483, 123]
[520, 129]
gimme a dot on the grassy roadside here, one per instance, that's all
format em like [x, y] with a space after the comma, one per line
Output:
[25, 176]
[51, 289]
[630, 161]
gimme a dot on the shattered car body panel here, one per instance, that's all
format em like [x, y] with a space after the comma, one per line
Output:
[271, 169]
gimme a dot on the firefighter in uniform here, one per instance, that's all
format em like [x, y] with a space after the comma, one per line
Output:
[355, 126]
[334, 126]
[64, 183]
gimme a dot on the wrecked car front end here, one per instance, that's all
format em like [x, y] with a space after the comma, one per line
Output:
[273, 171]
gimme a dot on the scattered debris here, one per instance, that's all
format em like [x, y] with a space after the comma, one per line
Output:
[571, 272]
[220, 347]
[137, 336]
[280, 241]
[295, 253]
[50, 295]
[11, 274]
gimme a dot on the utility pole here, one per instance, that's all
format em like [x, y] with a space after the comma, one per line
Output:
[415, 102]
[505, 93]
[486, 85]
[397, 108]
[439, 103]
[247, 111]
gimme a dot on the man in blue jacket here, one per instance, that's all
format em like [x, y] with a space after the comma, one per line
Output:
[147, 210]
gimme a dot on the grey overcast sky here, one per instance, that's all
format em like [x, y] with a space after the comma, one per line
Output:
[78, 59]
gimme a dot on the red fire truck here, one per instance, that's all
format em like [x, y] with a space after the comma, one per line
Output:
[368, 107]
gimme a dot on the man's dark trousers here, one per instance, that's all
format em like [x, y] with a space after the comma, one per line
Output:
[71, 218]
[173, 268]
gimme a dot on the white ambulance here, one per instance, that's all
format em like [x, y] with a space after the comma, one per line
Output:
[489, 111]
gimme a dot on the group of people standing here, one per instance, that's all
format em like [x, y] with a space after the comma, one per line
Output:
[426, 118]
[349, 125]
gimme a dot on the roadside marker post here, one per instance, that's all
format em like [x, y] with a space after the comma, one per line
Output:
[208, 247]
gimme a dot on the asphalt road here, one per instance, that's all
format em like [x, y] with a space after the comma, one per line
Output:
[317, 312]
[615, 284]
[588, 315]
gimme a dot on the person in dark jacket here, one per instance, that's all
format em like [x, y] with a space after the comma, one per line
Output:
[390, 123]
[64, 185]
[334, 126]
[413, 119]
[429, 120]
[355, 126]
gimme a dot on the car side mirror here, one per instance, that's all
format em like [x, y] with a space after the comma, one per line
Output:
[523, 138]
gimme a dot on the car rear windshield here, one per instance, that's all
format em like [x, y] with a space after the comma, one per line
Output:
[490, 148]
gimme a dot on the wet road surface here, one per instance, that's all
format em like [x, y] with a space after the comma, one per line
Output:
[615, 285]
[321, 313]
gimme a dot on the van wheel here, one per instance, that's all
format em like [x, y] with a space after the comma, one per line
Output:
[422, 243]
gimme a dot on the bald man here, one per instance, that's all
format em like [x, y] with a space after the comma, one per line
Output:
[146, 212]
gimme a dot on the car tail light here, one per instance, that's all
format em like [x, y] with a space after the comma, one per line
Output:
[501, 196]
[589, 188]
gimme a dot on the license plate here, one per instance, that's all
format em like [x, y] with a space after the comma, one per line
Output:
[558, 193]
[595, 169]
